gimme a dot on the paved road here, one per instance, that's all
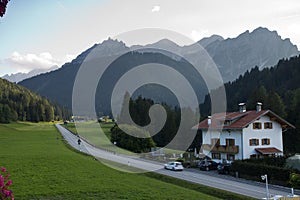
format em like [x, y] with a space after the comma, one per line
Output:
[228, 183]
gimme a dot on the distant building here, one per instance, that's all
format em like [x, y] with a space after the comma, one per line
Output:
[244, 134]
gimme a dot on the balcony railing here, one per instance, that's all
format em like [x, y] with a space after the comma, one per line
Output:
[221, 148]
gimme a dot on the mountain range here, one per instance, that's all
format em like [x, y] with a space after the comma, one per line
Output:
[17, 77]
[233, 57]
[262, 48]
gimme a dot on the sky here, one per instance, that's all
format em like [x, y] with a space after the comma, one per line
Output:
[40, 34]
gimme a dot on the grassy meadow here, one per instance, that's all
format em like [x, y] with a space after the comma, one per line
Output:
[43, 166]
[90, 131]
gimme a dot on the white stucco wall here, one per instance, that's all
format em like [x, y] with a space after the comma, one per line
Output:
[237, 135]
[274, 134]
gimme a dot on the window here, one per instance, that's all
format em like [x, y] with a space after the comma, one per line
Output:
[230, 157]
[257, 125]
[227, 122]
[230, 142]
[254, 142]
[216, 156]
[215, 141]
[265, 141]
[268, 125]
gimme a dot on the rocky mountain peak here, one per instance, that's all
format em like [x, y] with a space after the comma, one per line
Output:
[208, 40]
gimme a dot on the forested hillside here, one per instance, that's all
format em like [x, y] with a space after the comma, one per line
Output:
[278, 88]
[19, 103]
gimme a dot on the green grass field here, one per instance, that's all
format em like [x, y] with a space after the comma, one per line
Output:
[42, 166]
[91, 132]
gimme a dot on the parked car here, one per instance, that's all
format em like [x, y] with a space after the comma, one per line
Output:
[208, 165]
[175, 166]
[224, 168]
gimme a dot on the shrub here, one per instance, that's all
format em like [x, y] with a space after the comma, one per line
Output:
[276, 175]
[295, 180]
[140, 143]
[271, 161]
[5, 193]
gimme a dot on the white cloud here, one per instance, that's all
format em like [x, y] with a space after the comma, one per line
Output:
[198, 35]
[155, 9]
[27, 62]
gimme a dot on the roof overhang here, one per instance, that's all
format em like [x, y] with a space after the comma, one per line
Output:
[251, 116]
[274, 117]
[268, 150]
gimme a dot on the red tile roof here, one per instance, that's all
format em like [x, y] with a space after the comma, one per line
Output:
[270, 150]
[238, 120]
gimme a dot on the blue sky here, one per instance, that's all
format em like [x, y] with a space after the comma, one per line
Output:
[42, 33]
[29, 27]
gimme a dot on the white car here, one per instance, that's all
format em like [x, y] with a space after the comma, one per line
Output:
[176, 166]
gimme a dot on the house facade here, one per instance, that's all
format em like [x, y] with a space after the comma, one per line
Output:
[243, 134]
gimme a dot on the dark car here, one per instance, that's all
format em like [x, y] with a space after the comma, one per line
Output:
[223, 168]
[208, 165]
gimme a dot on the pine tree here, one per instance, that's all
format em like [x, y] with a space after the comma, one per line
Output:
[275, 103]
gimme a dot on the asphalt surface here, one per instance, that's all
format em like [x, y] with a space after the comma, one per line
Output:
[212, 179]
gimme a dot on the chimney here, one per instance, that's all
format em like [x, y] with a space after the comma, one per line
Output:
[209, 120]
[258, 106]
[242, 107]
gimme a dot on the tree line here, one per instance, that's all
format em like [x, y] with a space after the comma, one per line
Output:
[20, 104]
[139, 109]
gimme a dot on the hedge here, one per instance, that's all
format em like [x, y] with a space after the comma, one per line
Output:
[295, 180]
[276, 175]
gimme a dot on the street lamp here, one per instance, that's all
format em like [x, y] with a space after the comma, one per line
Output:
[265, 177]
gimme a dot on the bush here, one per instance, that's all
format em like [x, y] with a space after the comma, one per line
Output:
[276, 175]
[271, 161]
[132, 143]
[295, 180]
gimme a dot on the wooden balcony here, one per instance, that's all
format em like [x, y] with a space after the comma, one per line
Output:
[221, 148]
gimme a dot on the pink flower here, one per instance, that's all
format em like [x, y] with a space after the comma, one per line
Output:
[7, 176]
[5, 193]
[8, 193]
[9, 183]
[3, 169]
[1, 181]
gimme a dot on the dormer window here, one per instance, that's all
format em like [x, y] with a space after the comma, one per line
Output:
[257, 125]
[227, 122]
